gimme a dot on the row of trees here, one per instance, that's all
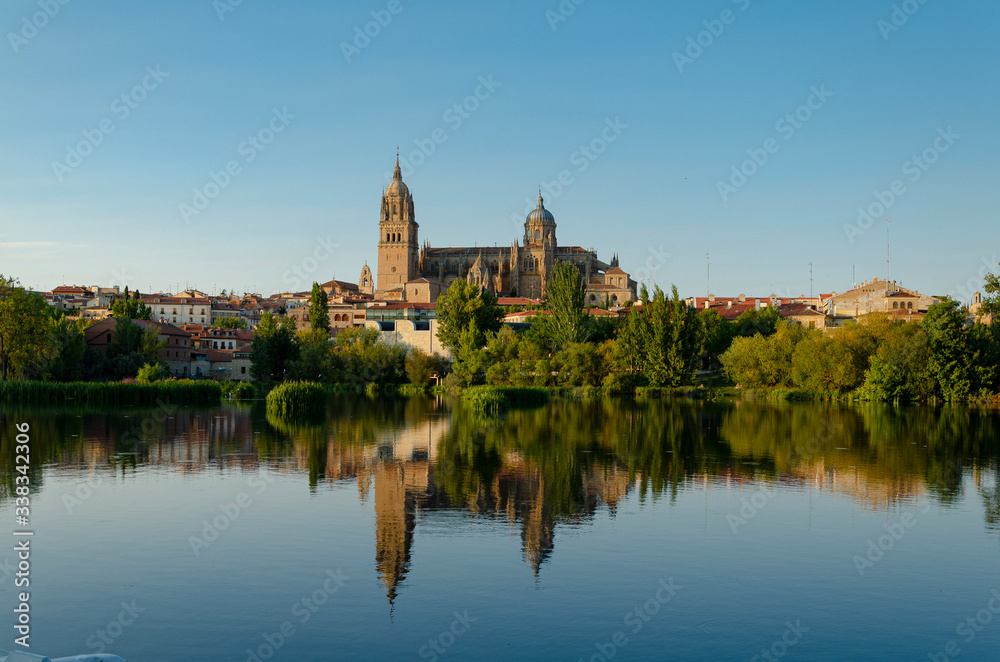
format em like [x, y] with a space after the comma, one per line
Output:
[356, 356]
[877, 358]
[38, 342]
[658, 346]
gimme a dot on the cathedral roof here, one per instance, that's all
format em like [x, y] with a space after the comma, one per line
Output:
[540, 213]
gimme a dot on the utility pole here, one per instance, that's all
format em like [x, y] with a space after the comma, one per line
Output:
[810, 280]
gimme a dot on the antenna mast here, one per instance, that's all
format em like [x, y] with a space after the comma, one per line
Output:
[888, 255]
[708, 274]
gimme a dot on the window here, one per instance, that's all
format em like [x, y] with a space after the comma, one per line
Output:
[909, 305]
[243, 369]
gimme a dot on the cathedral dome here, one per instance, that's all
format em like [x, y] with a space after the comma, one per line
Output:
[540, 213]
[396, 186]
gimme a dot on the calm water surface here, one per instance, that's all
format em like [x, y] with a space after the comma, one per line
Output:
[399, 529]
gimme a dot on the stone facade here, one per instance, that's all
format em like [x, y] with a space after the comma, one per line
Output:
[878, 296]
[409, 273]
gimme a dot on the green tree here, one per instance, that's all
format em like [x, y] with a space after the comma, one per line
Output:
[317, 359]
[71, 346]
[627, 354]
[673, 338]
[133, 346]
[951, 361]
[368, 360]
[273, 349]
[152, 372]
[763, 321]
[464, 303]
[230, 323]
[471, 359]
[566, 293]
[420, 366]
[584, 364]
[319, 314]
[763, 361]
[822, 363]
[131, 307]
[26, 344]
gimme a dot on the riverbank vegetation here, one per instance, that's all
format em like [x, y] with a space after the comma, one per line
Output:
[941, 359]
[181, 392]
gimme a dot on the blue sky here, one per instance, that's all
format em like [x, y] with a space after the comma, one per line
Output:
[199, 80]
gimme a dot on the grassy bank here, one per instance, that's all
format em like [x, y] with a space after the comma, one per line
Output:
[111, 394]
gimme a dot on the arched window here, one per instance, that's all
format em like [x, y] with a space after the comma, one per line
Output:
[538, 235]
[895, 305]
[388, 237]
[909, 305]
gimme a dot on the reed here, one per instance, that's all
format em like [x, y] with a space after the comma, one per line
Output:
[296, 399]
[110, 394]
[495, 400]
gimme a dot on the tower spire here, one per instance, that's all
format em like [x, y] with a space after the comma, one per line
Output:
[397, 174]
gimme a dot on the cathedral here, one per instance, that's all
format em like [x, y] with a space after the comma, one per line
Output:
[411, 272]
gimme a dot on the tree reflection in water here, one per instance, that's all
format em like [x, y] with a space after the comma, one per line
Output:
[538, 468]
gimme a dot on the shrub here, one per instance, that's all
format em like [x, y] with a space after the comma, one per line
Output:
[290, 399]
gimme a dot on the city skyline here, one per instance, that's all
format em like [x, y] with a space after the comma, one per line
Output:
[775, 138]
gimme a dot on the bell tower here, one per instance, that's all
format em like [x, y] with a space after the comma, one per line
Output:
[398, 247]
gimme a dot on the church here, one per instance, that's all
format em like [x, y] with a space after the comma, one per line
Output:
[411, 272]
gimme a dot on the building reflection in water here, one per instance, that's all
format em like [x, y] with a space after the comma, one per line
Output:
[536, 469]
